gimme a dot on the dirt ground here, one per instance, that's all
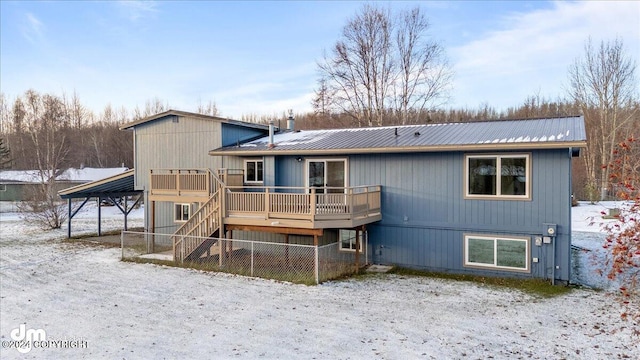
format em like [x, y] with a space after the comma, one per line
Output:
[109, 238]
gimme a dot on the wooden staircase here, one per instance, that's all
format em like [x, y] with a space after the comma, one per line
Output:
[198, 236]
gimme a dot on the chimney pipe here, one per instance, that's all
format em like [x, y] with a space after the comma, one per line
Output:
[290, 121]
[271, 134]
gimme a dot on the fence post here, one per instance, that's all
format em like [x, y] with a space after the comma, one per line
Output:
[252, 258]
[316, 268]
[182, 251]
[267, 203]
[121, 243]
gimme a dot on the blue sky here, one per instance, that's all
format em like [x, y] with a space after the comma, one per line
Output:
[260, 57]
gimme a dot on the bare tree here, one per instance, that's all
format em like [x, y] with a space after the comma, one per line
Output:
[382, 62]
[602, 84]
[5, 155]
[423, 74]
[210, 108]
[359, 71]
[151, 107]
[5, 115]
[46, 121]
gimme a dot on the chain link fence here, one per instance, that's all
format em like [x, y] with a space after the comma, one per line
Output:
[305, 264]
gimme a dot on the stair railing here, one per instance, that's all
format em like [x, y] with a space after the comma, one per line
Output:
[202, 224]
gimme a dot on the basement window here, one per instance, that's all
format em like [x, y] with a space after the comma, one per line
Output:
[182, 212]
[348, 240]
[501, 253]
[253, 171]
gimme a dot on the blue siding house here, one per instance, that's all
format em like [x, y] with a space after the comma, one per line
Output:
[488, 198]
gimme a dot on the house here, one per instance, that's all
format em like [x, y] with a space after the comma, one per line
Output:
[19, 185]
[486, 198]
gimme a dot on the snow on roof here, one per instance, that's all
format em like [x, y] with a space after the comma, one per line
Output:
[75, 175]
[565, 131]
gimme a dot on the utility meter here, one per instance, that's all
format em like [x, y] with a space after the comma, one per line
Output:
[550, 229]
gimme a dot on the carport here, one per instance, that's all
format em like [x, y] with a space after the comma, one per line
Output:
[112, 188]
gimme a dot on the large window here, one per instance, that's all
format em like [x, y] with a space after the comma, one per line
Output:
[498, 176]
[253, 171]
[348, 240]
[496, 252]
[182, 212]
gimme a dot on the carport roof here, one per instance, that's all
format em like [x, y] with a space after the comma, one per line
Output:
[117, 185]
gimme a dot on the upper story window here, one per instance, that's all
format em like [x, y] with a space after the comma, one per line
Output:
[253, 171]
[498, 176]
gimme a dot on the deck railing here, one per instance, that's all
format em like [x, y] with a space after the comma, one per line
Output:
[302, 203]
[193, 182]
[264, 203]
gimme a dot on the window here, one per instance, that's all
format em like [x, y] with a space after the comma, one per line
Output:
[253, 171]
[496, 252]
[3, 187]
[482, 178]
[348, 240]
[182, 212]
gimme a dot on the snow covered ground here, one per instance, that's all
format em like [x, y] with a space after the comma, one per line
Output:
[140, 311]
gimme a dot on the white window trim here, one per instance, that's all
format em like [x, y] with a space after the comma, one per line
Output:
[352, 250]
[246, 181]
[526, 240]
[175, 212]
[498, 157]
[306, 170]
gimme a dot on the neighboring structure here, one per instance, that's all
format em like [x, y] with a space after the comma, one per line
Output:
[18, 185]
[488, 198]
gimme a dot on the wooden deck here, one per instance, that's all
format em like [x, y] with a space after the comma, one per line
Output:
[270, 206]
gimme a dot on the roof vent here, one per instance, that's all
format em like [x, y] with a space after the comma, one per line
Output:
[396, 131]
[417, 133]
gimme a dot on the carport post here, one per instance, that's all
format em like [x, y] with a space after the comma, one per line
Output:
[99, 216]
[69, 220]
[125, 213]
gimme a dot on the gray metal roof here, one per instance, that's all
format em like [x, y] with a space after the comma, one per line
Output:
[562, 132]
[117, 185]
[190, 114]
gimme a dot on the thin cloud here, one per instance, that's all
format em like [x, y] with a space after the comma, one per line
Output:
[33, 29]
[137, 10]
[531, 47]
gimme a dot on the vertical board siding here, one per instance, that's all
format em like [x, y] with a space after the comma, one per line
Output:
[425, 214]
[174, 142]
[237, 134]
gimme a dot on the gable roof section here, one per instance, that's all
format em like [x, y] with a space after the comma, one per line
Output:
[117, 185]
[565, 132]
[190, 114]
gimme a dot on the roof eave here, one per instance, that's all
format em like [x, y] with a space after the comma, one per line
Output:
[190, 114]
[405, 149]
[91, 184]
